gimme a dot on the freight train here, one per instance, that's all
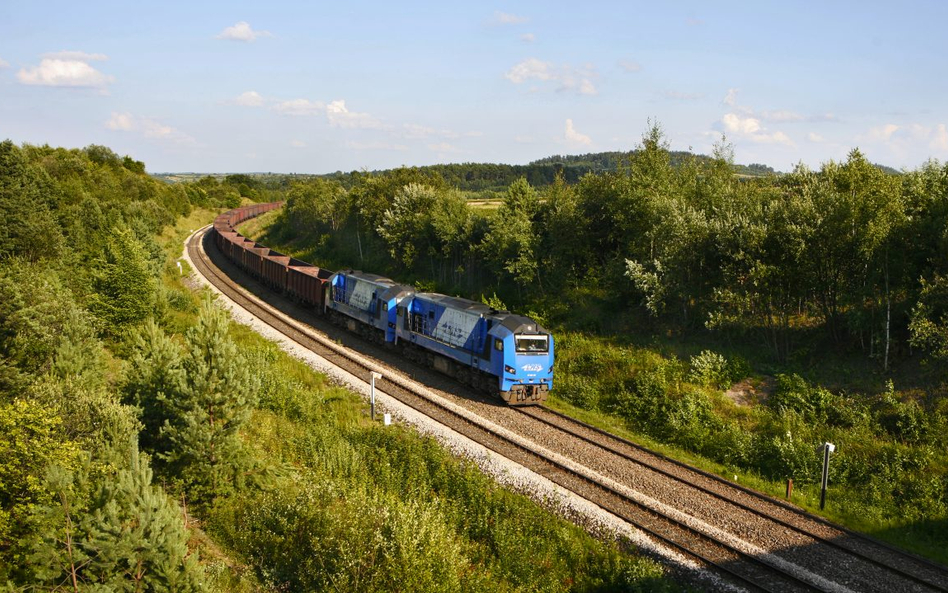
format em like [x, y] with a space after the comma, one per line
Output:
[498, 352]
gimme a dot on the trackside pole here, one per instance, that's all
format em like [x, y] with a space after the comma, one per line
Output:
[372, 393]
[827, 449]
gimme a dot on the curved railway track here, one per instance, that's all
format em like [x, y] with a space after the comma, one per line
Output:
[750, 560]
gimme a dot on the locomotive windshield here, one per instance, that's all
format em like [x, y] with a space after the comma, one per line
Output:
[532, 344]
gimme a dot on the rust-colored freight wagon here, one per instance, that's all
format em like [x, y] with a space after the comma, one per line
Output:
[307, 283]
[273, 269]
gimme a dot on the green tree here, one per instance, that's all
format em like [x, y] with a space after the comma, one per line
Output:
[206, 452]
[30, 440]
[113, 532]
[154, 378]
[29, 228]
[512, 242]
[123, 283]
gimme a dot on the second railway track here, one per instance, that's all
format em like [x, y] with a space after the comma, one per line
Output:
[751, 540]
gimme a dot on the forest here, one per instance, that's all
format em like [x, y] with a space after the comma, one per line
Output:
[149, 444]
[669, 281]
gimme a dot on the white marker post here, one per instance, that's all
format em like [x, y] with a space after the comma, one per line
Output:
[372, 393]
[827, 449]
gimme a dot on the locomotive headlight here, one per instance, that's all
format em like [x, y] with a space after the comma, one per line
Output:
[510, 369]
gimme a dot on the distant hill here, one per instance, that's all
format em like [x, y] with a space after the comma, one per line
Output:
[494, 177]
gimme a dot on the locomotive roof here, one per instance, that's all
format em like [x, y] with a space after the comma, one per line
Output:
[456, 303]
[521, 324]
[369, 277]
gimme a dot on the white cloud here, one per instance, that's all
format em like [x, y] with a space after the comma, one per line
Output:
[78, 56]
[574, 137]
[417, 132]
[297, 144]
[939, 138]
[121, 121]
[902, 140]
[530, 69]
[731, 97]
[147, 127]
[300, 107]
[528, 38]
[66, 69]
[630, 65]
[242, 31]
[749, 128]
[569, 78]
[340, 116]
[882, 133]
[249, 99]
[815, 138]
[735, 124]
[4, 63]
[444, 147]
[503, 18]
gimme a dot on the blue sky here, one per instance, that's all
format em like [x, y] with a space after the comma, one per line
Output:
[315, 87]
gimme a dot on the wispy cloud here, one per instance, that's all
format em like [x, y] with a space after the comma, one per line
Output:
[248, 99]
[778, 116]
[297, 144]
[376, 146]
[147, 127]
[339, 116]
[901, 139]
[242, 31]
[299, 107]
[79, 56]
[444, 147]
[4, 64]
[505, 18]
[630, 65]
[566, 77]
[528, 38]
[574, 137]
[750, 128]
[67, 69]
[679, 96]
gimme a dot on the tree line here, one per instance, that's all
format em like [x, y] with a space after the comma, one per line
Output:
[849, 253]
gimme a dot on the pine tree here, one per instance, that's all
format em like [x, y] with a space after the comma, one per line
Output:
[215, 401]
[112, 532]
[153, 380]
[123, 283]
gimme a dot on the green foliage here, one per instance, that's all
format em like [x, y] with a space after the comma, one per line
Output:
[41, 326]
[120, 535]
[204, 448]
[123, 283]
[929, 324]
[30, 441]
[29, 228]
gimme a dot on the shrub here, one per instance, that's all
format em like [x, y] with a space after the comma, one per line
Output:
[709, 369]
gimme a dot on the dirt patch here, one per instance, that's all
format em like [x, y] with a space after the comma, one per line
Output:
[752, 390]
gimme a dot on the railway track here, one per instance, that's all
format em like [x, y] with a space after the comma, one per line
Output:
[746, 561]
[928, 576]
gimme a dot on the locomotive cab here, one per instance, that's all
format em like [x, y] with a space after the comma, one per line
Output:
[524, 353]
